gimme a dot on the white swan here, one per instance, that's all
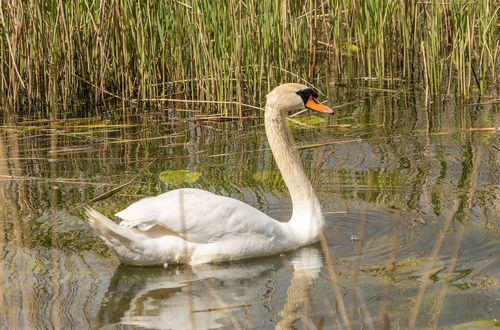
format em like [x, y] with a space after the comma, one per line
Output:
[196, 226]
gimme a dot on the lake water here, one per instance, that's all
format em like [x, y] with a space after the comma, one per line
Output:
[410, 195]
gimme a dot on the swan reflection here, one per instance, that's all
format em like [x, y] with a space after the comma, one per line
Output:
[307, 264]
[159, 298]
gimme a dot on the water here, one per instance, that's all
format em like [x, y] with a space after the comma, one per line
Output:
[410, 196]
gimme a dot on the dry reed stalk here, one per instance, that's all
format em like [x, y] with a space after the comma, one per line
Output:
[426, 77]
[357, 264]
[114, 190]
[439, 300]
[235, 324]
[333, 279]
[213, 309]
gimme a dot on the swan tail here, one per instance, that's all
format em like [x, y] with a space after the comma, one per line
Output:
[123, 241]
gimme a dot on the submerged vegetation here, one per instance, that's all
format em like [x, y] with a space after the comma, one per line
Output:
[78, 52]
[411, 204]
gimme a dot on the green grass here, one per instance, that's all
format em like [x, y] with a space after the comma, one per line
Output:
[67, 53]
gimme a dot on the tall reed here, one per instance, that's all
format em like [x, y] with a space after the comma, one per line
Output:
[88, 51]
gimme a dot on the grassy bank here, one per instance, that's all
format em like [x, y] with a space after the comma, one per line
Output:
[78, 52]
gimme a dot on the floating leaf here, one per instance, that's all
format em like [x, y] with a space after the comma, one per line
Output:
[480, 324]
[308, 120]
[179, 176]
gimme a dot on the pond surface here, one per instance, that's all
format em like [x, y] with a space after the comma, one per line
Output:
[410, 195]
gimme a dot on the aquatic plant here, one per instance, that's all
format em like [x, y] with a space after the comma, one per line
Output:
[156, 52]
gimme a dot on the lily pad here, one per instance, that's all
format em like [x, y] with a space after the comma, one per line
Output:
[308, 120]
[179, 176]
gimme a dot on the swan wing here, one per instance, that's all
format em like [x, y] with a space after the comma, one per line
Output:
[199, 216]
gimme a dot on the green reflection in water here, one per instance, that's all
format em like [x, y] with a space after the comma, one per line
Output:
[402, 177]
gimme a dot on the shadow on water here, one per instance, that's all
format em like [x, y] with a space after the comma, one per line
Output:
[410, 195]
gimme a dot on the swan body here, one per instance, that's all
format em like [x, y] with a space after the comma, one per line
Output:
[196, 226]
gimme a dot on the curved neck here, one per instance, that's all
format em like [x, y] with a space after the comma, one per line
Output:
[307, 218]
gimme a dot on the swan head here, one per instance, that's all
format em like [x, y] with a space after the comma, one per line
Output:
[294, 97]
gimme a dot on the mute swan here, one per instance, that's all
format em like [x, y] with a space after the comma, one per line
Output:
[196, 226]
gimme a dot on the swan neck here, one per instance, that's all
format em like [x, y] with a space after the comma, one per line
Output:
[306, 207]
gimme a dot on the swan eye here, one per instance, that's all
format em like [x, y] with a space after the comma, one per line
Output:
[306, 93]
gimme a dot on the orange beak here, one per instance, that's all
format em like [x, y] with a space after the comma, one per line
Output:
[314, 104]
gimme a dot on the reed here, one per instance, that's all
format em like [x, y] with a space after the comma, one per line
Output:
[69, 53]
